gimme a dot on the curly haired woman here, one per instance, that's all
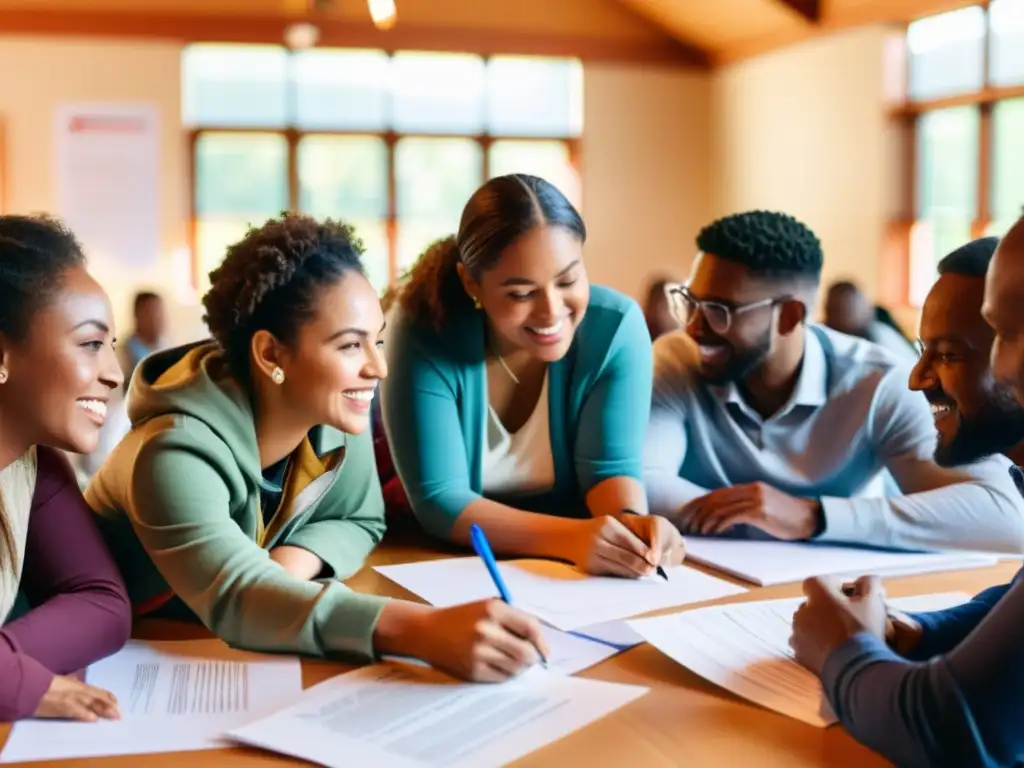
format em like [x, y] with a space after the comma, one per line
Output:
[520, 393]
[247, 487]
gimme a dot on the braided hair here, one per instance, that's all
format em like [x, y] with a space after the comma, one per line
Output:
[269, 280]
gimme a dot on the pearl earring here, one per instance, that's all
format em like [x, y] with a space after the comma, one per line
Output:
[476, 303]
[277, 376]
[3, 377]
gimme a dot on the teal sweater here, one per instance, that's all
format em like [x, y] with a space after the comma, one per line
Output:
[435, 401]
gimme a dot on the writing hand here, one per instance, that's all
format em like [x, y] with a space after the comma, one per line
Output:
[665, 545]
[829, 617]
[70, 699]
[757, 504]
[604, 546]
[487, 641]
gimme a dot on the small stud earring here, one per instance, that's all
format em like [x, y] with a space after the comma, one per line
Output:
[3, 377]
[277, 376]
[476, 303]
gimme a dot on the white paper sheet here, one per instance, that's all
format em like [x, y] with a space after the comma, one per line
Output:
[745, 649]
[174, 697]
[767, 563]
[555, 592]
[397, 716]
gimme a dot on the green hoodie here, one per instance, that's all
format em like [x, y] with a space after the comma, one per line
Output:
[178, 501]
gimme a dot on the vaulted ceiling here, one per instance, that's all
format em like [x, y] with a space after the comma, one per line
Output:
[695, 32]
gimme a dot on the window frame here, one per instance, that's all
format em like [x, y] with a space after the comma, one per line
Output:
[293, 136]
[906, 117]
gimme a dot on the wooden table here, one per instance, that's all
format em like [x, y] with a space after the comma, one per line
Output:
[682, 721]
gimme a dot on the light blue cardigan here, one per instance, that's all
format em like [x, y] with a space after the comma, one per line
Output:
[435, 397]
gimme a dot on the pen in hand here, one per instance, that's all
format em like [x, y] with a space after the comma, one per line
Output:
[483, 549]
[658, 569]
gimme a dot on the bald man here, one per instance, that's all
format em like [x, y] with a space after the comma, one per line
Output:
[944, 688]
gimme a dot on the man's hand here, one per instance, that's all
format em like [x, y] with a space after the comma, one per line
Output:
[829, 618]
[902, 633]
[757, 504]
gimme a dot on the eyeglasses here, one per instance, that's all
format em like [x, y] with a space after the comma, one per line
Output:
[719, 316]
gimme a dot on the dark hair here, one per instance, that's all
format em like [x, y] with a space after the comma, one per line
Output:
[142, 297]
[844, 286]
[769, 244]
[499, 213]
[970, 260]
[35, 252]
[269, 281]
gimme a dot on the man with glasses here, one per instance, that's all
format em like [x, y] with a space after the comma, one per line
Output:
[764, 425]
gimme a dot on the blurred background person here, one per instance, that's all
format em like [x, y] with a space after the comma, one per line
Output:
[849, 311]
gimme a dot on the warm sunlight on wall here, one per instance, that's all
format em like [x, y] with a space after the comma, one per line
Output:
[646, 167]
[804, 131]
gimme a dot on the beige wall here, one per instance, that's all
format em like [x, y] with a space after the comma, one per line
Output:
[38, 74]
[804, 131]
[646, 170]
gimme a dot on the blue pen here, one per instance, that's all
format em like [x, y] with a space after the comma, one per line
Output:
[483, 550]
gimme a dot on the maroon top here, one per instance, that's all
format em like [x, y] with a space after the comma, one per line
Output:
[80, 610]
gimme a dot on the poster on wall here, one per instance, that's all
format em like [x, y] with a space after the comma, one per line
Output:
[107, 180]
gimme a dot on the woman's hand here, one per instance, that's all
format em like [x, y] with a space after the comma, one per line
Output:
[486, 641]
[70, 699]
[630, 546]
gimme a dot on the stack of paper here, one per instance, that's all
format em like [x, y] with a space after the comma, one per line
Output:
[555, 592]
[174, 697]
[767, 563]
[392, 716]
[744, 648]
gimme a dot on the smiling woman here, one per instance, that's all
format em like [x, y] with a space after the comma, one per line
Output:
[520, 393]
[57, 369]
[246, 489]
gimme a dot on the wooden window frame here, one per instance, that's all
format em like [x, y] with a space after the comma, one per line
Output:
[294, 136]
[896, 289]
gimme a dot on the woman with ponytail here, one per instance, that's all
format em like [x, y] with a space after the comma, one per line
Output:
[519, 394]
[57, 372]
[247, 488]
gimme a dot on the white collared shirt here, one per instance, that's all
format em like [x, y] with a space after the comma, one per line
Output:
[851, 415]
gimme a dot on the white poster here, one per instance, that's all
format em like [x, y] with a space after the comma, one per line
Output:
[107, 178]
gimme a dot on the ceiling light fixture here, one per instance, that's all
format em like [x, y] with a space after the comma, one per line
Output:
[301, 36]
[383, 13]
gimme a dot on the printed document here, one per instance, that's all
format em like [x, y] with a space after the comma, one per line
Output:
[173, 696]
[767, 563]
[399, 716]
[556, 592]
[744, 648]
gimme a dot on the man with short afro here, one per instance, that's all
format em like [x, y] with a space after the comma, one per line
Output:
[766, 425]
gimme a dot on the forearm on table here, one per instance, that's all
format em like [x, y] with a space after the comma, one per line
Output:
[667, 494]
[617, 494]
[512, 531]
[398, 629]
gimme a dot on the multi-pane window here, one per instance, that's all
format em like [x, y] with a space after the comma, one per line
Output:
[966, 105]
[392, 143]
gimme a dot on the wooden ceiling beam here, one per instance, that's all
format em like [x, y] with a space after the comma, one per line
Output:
[808, 9]
[193, 28]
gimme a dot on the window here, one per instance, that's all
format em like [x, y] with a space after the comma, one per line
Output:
[967, 123]
[1006, 55]
[947, 54]
[1007, 164]
[393, 144]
